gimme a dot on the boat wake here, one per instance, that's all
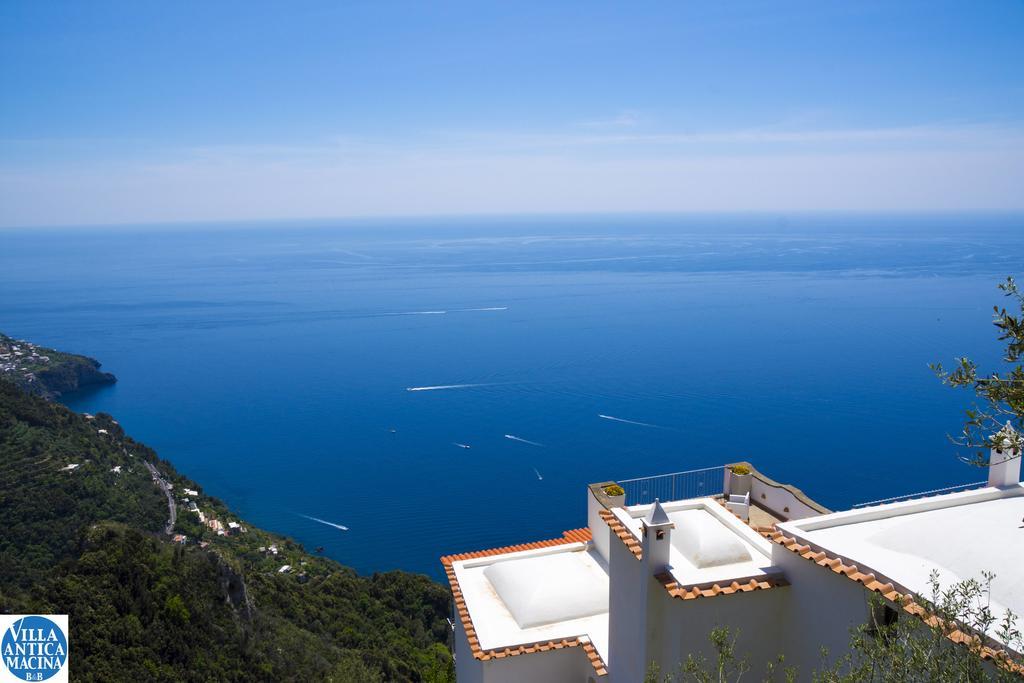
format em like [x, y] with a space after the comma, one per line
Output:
[521, 440]
[629, 422]
[445, 312]
[461, 445]
[417, 313]
[324, 521]
[539, 478]
[441, 387]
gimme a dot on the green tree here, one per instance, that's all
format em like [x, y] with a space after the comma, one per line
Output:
[952, 636]
[998, 414]
[176, 609]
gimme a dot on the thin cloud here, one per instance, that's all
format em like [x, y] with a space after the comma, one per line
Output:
[936, 135]
[912, 168]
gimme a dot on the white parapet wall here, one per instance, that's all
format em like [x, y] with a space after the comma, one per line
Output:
[567, 665]
[599, 531]
[782, 500]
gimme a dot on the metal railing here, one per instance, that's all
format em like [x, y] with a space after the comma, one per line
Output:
[923, 494]
[709, 481]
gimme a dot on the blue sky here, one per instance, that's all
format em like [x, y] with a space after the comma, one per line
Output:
[150, 112]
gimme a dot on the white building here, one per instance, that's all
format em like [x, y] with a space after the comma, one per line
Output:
[647, 583]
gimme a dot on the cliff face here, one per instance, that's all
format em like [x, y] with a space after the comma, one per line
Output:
[47, 372]
[77, 373]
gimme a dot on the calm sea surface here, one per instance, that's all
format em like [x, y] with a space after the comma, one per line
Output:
[271, 363]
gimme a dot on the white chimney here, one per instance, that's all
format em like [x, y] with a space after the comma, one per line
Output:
[1004, 460]
[632, 616]
[656, 528]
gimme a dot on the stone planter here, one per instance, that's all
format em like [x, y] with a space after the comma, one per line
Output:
[612, 501]
[739, 484]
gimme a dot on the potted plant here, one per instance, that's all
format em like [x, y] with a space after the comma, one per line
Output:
[616, 495]
[740, 479]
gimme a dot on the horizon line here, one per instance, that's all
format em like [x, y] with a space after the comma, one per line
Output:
[278, 221]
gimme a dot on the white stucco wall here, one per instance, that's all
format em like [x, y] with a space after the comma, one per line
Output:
[780, 500]
[598, 529]
[568, 665]
[627, 627]
[819, 609]
[756, 619]
[823, 609]
[467, 668]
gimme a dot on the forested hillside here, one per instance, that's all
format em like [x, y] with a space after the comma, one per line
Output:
[83, 532]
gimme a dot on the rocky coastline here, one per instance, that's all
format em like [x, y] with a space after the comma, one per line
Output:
[47, 372]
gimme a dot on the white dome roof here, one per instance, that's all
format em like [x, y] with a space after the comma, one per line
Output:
[542, 590]
[705, 542]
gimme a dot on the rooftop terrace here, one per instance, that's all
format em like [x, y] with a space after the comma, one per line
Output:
[539, 596]
[710, 545]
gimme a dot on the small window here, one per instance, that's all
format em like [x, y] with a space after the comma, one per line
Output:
[883, 617]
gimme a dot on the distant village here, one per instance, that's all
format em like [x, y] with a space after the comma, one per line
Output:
[46, 372]
[189, 501]
[20, 360]
[211, 523]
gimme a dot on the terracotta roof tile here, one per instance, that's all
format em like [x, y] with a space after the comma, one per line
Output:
[710, 590]
[595, 659]
[572, 536]
[623, 534]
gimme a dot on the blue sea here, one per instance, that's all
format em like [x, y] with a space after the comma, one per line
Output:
[271, 362]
